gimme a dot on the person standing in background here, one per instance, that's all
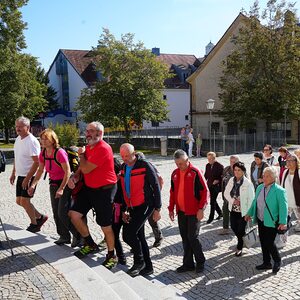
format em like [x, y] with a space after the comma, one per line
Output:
[199, 144]
[191, 142]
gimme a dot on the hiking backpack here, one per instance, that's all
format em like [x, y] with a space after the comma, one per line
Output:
[2, 161]
[73, 158]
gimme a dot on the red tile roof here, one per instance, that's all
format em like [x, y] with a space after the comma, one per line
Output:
[82, 61]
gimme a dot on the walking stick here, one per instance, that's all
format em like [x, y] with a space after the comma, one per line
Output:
[7, 239]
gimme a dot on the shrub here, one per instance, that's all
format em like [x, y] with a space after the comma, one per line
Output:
[68, 134]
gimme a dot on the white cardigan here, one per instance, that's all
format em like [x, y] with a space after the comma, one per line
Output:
[246, 195]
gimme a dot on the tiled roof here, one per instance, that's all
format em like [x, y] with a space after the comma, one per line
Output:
[82, 61]
[177, 59]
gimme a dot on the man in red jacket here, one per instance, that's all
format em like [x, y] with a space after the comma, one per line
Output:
[189, 193]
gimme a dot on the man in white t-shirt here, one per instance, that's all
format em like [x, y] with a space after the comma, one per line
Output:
[26, 152]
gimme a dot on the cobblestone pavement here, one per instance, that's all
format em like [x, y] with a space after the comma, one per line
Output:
[28, 276]
[225, 276]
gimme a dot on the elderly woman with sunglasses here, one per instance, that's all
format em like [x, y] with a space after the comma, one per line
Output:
[239, 193]
[268, 155]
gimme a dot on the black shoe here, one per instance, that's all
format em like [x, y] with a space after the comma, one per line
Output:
[209, 221]
[184, 268]
[157, 242]
[77, 241]
[136, 269]
[146, 271]
[199, 268]
[33, 228]
[264, 266]
[62, 241]
[219, 217]
[238, 253]
[276, 267]
[122, 260]
[40, 222]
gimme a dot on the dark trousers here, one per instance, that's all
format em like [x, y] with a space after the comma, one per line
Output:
[118, 245]
[134, 234]
[155, 228]
[214, 206]
[267, 237]
[60, 213]
[225, 211]
[238, 225]
[189, 227]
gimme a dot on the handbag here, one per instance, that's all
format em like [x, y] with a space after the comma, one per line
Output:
[250, 238]
[288, 221]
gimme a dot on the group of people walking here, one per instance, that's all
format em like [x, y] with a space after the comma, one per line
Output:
[124, 196]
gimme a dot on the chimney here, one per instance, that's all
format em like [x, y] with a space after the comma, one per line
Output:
[156, 51]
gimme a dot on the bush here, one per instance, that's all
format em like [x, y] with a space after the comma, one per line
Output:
[68, 134]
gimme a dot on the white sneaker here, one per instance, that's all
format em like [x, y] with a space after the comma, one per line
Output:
[297, 227]
[280, 244]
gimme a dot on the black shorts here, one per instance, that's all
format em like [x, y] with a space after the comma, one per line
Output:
[100, 199]
[20, 191]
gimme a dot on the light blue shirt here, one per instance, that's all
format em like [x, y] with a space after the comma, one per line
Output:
[261, 202]
[127, 180]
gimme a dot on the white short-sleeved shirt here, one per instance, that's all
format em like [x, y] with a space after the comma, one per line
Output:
[24, 149]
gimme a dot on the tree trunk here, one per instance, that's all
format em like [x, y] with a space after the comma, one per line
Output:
[6, 136]
[127, 131]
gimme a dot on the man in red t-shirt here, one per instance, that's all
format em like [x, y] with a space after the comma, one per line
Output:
[97, 167]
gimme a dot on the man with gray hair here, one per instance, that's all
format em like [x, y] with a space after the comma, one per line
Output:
[189, 194]
[99, 189]
[227, 174]
[26, 152]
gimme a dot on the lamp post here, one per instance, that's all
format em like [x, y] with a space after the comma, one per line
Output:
[210, 103]
[285, 107]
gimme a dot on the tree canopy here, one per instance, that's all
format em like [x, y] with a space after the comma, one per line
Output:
[131, 85]
[261, 77]
[20, 91]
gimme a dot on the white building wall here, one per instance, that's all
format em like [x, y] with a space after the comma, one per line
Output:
[179, 107]
[76, 84]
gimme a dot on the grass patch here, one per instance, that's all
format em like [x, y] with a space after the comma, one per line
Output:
[7, 146]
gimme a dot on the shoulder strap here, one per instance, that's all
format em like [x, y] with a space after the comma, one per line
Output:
[267, 204]
[55, 156]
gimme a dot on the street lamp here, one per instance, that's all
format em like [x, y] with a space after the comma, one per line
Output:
[285, 107]
[210, 103]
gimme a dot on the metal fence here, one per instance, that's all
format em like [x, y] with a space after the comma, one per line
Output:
[226, 144]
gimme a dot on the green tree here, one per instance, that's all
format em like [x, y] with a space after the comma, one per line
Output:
[20, 92]
[50, 94]
[132, 88]
[262, 75]
[68, 134]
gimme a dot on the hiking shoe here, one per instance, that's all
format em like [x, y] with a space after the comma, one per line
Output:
[62, 241]
[33, 228]
[157, 242]
[122, 260]
[136, 269]
[77, 241]
[110, 262]
[146, 271]
[40, 222]
[85, 250]
[102, 245]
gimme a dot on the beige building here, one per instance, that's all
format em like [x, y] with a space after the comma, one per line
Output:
[205, 85]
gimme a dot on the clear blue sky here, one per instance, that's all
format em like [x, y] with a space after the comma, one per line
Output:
[174, 26]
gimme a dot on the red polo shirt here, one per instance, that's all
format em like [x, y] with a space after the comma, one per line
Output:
[101, 155]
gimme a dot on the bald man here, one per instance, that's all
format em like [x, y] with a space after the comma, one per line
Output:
[141, 191]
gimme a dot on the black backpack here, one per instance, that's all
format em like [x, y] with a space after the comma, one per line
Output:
[73, 158]
[2, 161]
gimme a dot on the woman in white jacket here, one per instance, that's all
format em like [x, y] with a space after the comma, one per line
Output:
[239, 193]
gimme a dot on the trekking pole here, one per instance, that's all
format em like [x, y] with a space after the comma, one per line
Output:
[7, 239]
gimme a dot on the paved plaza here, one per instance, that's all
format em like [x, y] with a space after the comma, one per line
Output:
[225, 276]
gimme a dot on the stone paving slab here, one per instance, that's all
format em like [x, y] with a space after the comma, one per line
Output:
[27, 276]
[225, 276]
